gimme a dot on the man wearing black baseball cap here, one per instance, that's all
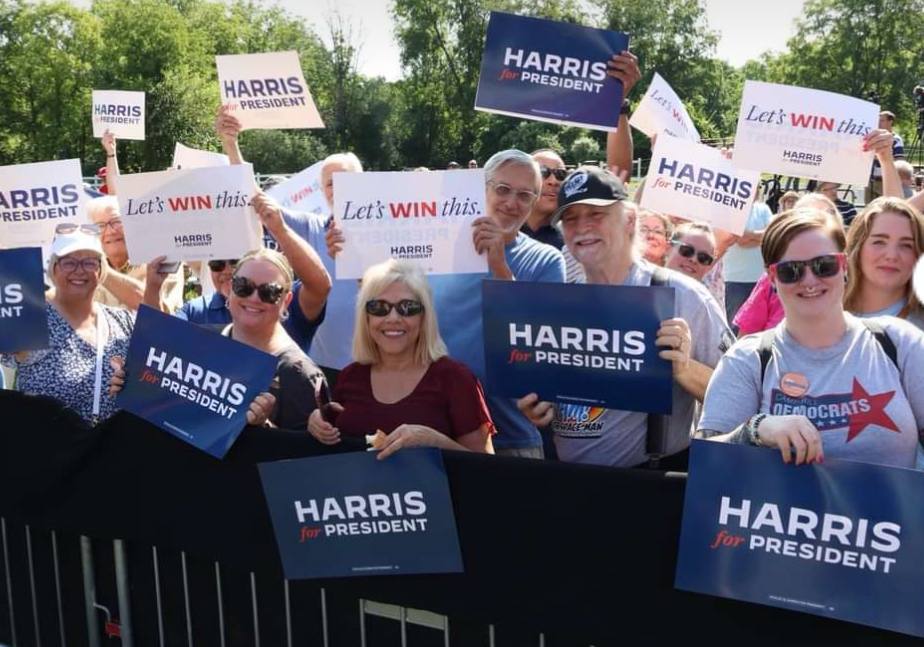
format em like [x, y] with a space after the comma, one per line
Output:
[601, 236]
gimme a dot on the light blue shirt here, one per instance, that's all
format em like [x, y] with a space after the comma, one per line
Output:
[745, 264]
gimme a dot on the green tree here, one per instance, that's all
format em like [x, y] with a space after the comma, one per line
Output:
[863, 48]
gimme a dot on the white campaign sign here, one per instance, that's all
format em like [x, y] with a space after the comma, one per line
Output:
[35, 198]
[425, 217]
[696, 182]
[120, 112]
[267, 90]
[185, 157]
[189, 215]
[302, 191]
[661, 110]
[804, 133]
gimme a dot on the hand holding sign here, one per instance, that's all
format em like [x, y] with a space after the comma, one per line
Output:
[674, 334]
[624, 66]
[792, 435]
[536, 411]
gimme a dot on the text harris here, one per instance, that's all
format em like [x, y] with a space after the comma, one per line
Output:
[553, 70]
[39, 203]
[801, 533]
[704, 183]
[611, 350]
[192, 382]
[367, 514]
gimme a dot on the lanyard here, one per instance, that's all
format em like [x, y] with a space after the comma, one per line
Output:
[102, 336]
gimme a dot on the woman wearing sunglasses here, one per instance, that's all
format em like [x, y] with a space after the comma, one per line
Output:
[826, 385]
[402, 381]
[261, 291]
[883, 244]
[83, 335]
[304, 311]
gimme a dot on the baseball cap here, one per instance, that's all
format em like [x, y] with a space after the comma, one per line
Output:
[589, 185]
[77, 240]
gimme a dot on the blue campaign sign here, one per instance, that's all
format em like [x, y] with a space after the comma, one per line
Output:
[580, 344]
[23, 321]
[191, 382]
[550, 71]
[843, 540]
[388, 517]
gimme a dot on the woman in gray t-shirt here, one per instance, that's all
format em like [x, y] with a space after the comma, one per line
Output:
[830, 388]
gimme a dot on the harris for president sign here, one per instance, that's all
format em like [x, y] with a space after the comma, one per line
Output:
[550, 71]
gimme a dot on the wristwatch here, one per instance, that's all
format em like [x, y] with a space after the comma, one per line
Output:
[625, 108]
[752, 425]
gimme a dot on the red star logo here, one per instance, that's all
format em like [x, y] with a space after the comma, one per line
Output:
[876, 414]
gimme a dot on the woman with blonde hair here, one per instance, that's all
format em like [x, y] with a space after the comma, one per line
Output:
[401, 381]
[883, 244]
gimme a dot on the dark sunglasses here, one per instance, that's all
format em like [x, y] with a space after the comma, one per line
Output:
[822, 266]
[268, 292]
[219, 266]
[688, 251]
[405, 307]
[66, 228]
[559, 173]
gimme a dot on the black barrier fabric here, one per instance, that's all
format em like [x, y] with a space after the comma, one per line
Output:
[584, 554]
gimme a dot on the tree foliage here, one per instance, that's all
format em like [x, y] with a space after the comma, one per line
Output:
[52, 54]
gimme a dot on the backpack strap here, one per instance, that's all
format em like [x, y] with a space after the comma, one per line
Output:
[765, 352]
[657, 424]
[884, 340]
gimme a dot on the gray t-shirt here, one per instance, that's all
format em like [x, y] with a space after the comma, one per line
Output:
[864, 407]
[612, 437]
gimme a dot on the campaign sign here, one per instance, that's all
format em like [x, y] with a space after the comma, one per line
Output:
[550, 71]
[662, 111]
[190, 382]
[301, 192]
[804, 133]
[696, 182]
[189, 215]
[578, 344]
[120, 112]
[423, 217]
[23, 322]
[390, 517]
[842, 540]
[267, 90]
[185, 157]
[35, 198]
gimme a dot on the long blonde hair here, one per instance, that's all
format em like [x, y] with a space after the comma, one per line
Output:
[859, 233]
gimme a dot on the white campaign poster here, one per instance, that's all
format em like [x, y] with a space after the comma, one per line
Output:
[804, 133]
[696, 182]
[267, 90]
[189, 215]
[185, 157]
[425, 217]
[302, 191]
[661, 110]
[35, 198]
[120, 112]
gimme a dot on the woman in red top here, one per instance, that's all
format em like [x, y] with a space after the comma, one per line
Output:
[402, 380]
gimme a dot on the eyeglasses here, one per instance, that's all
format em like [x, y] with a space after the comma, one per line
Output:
[502, 191]
[66, 228]
[823, 267]
[559, 173]
[645, 230]
[90, 265]
[115, 223]
[270, 293]
[688, 251]
[219, 266]
[404, 307]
